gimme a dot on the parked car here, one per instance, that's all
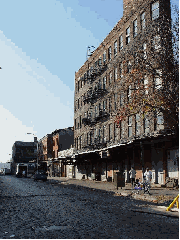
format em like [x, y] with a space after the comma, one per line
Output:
[40, 175]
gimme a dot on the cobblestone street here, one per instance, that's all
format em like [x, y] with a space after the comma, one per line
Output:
[54, 210]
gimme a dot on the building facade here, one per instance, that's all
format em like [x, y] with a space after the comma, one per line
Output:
[62, 139]
[123, 115]
[24, 152]
[45, 148]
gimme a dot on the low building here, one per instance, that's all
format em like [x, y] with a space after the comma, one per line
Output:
[67, 163]
[62, 140]
[24, 152]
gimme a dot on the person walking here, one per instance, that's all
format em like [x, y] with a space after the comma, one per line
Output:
[132, 174]
[148, 176]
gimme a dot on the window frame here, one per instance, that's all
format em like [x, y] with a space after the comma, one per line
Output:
[135, 28]
[115, 48]
[153, 16]
[128, 35]
[130, 120]
[121, 42]
[143, 20]
[137, 124]
[158, 78]
[109, 53]
[104, 82]
[104, 57]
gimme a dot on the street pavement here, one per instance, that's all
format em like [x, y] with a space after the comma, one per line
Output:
[161, 196]
[59, 208]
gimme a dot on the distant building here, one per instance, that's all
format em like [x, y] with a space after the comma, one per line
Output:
[23, 152]
[45, 148]
[51, 144]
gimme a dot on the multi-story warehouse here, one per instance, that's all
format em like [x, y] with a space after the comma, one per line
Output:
[124, 104]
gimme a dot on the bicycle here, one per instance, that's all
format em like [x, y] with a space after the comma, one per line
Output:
[146, 187]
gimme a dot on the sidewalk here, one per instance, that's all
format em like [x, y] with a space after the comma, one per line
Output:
[161, 196]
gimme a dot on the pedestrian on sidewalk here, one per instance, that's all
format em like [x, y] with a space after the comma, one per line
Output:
[148, 176]
[132, 174]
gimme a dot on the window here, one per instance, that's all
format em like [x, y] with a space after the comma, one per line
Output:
[158, 79]
[99, 135]
[146, 124]
[157, 42]
[127, 35]
[158, 121]
[146, 84]
[120, 43]
[75, 123]
[100, 61]
[109, 53]
[103, 134]
[129, 67]
[129, 126]
[135, 29]
[122, 129]
[96, 111]
[110, 77]
[87, 136]
[121, 99]
[144, 50]
[77, 143]
[155, 10]
[80, 121]
[80, 142]
[110, 131]
[115, 101]
[99, 84]
[137, 124]
[95, 133]
[109, 104]
[115, 48]
[85, 78]
[104, 105]
[129, 92]
[90, 138]
[104, 82]
[143, 21]
[121, 70]
[78, 103]
[99, 107]
[115, 74]
[104, 57]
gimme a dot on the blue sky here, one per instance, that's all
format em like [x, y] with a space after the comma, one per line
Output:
[42, 44]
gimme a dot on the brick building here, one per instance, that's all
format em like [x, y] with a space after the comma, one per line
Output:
[121, 118]
[62, 139]
[45, 147]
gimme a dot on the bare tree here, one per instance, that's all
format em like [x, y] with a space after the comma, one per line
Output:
[149, 74]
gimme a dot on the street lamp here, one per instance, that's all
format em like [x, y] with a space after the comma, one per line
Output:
[37, 149]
